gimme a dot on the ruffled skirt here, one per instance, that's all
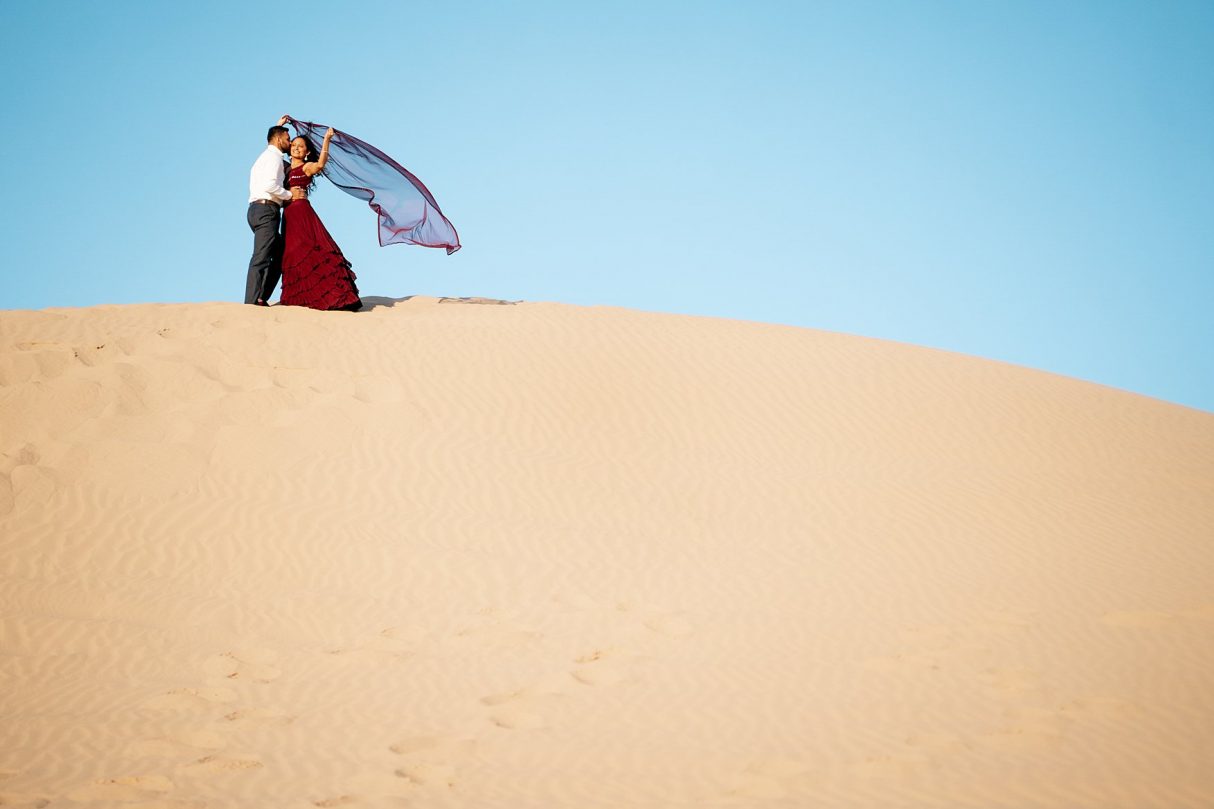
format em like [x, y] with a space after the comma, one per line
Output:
[314, 271]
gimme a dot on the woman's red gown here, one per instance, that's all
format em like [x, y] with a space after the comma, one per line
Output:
[314, 271]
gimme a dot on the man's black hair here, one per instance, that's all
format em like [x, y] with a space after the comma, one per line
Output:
[274, 130]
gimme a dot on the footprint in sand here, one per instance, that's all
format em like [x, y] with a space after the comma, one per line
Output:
[42, 345]
[428, 759]
[671, 625]
[496, 636]
[259, 716]
[339, 800]
[515, 718]
[180, 745]
[391, 644]
[375, 788]
[378, 390]
[371, 654]
[601, 667]
[29, 454]
[518, 710]
[31, 486]
[292, 377]
[406, 636]
[23, 481]
[599, 676]
[438, 746]
[93, 354]
[244, 665]
[428, 774]
[191, 699]
[223, 764]
[664, 623]
[123, 789]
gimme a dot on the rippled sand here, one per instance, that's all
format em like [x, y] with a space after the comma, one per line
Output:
[445, 554]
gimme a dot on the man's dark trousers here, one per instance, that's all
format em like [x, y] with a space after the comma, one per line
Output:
[265, 267]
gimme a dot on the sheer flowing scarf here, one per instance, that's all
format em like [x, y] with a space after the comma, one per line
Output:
[407, 211]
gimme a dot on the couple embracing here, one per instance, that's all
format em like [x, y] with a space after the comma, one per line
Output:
[313, 270]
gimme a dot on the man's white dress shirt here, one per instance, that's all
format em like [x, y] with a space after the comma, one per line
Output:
[266, 176]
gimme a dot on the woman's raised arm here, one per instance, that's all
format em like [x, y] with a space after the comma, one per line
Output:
[312, 169]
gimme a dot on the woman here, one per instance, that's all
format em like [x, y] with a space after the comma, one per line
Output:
[314, 271]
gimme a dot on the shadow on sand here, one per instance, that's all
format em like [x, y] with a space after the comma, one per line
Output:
[375, 302]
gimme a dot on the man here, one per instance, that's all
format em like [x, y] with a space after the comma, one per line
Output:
[266, 198]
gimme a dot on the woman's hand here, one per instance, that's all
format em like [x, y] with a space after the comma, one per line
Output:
[283, 120]
[323, 159]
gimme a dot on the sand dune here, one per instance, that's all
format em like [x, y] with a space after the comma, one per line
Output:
[443, 554]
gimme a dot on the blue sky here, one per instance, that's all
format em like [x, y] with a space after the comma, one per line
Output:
[1031, 182]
